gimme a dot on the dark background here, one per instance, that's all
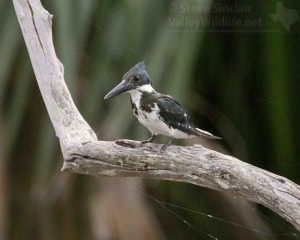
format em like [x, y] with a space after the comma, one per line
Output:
[237, 72]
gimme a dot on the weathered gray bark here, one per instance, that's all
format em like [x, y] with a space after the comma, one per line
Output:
[84, 154]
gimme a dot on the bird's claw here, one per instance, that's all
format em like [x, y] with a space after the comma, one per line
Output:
[150, 140]
[142, 143]
[164, 147]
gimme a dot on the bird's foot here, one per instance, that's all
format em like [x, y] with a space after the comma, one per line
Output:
[144, 142]
[164, 147]
[127, 143]
[150, 140]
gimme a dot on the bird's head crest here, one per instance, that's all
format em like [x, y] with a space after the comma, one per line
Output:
[136, 77]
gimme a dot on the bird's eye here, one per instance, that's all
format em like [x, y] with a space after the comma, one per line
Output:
[135, 78]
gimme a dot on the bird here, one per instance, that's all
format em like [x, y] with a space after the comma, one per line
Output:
[160, 113]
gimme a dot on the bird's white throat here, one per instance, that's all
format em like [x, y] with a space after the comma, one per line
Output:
[137, 93]
[146, 88]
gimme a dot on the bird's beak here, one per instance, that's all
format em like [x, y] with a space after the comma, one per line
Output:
[122, 87]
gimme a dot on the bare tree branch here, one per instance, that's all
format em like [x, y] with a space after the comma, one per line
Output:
[84, 154]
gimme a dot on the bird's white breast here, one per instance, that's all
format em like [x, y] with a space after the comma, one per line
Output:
[152, 120]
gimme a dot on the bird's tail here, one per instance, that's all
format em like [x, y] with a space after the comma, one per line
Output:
[206, 134]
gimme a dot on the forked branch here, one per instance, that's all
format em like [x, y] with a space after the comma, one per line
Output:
[84, 154]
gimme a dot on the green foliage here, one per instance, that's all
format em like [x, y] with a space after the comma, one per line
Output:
[241, 84]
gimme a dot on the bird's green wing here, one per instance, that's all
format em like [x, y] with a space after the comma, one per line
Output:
[174, 115]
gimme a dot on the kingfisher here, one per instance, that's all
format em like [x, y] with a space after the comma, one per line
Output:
[160, 113]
